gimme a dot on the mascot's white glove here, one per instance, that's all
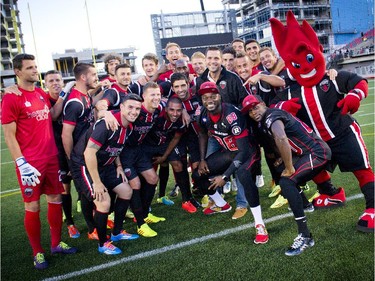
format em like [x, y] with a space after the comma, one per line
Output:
[29, 175]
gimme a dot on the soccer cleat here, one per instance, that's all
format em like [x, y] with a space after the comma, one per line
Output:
[111, 221]
[123, 235]
[73, 231]
[308, 209]
[165, 200]
[327, 201]
[153, 219]
[129, 214]
[40, 261]
[146, 231]
[299, 245]
[280, 201]
[261, 236]
[109, 249]
[93, 235]
[188, 207]
[275, 191]
[305, 187]
[366, 221]
[195, 203]
[316, 195]
[204, 201]
[63, 248]
[175, 191]
[79, 208]
[227, 187]
[259, 181]
[215, 209]
[239, 213]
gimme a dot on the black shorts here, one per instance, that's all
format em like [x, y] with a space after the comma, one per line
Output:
[83, 181]
[349, 151]
[190, 142]
[134, 161]
[152, 151]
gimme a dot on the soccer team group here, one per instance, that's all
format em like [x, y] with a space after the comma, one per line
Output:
[209, 115]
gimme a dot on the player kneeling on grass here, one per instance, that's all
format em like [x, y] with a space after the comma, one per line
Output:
[237, 154]
[303, 156]
[97, 169]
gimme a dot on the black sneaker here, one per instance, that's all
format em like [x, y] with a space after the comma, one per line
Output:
[299, 245]
[175, 191]
[195, 203]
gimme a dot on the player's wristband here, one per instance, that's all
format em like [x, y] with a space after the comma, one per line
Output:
[225, 178]
[20, 161]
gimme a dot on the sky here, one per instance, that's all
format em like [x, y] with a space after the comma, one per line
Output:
[57, 25]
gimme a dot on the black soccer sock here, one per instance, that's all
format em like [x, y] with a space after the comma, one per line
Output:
[147, 194]
[182, 180]
[101, 223]
[302, 226]
[305, 201]
[121, 205]
[136, 206]
[87, 211]
[163, 179]
[113, 196]
[67, 208]
[327, 188]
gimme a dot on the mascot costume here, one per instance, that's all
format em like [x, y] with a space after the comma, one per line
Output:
[326, 106]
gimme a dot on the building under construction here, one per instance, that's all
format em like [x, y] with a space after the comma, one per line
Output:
[11, 39]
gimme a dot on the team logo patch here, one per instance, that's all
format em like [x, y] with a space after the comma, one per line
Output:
[127, 172]
[231, 117]
[223, 84]
[324, 85]
[27, 104]
[28, 191]
[236, 130]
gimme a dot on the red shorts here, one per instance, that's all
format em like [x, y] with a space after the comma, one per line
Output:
[50, 182]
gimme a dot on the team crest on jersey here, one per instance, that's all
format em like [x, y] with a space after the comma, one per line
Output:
[27, 104]
[236, 130]
[28, 191]
[223, 84]
[215, 126]
[324, 85]
[231, 117]
[127, 172]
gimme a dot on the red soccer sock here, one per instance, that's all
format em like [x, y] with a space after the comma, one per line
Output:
[33, 229]
[54, 216]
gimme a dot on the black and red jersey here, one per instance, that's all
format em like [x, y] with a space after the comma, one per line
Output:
[78, 111]
[143, 124]
[319, 103]
[111, 143]
[164, 130]
[301, 138]
[229, 126]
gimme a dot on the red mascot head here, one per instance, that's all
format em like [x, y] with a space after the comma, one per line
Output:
[300, 49]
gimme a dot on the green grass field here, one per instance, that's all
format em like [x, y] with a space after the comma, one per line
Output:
[198, 247]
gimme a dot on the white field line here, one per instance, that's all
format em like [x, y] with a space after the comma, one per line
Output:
[8, 191]
[172, 247]
[365, 114]
[369, 124]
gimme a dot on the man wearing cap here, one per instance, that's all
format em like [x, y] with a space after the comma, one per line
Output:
[226, 124]
[302, 156]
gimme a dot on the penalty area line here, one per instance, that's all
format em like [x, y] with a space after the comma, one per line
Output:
[173, 247]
